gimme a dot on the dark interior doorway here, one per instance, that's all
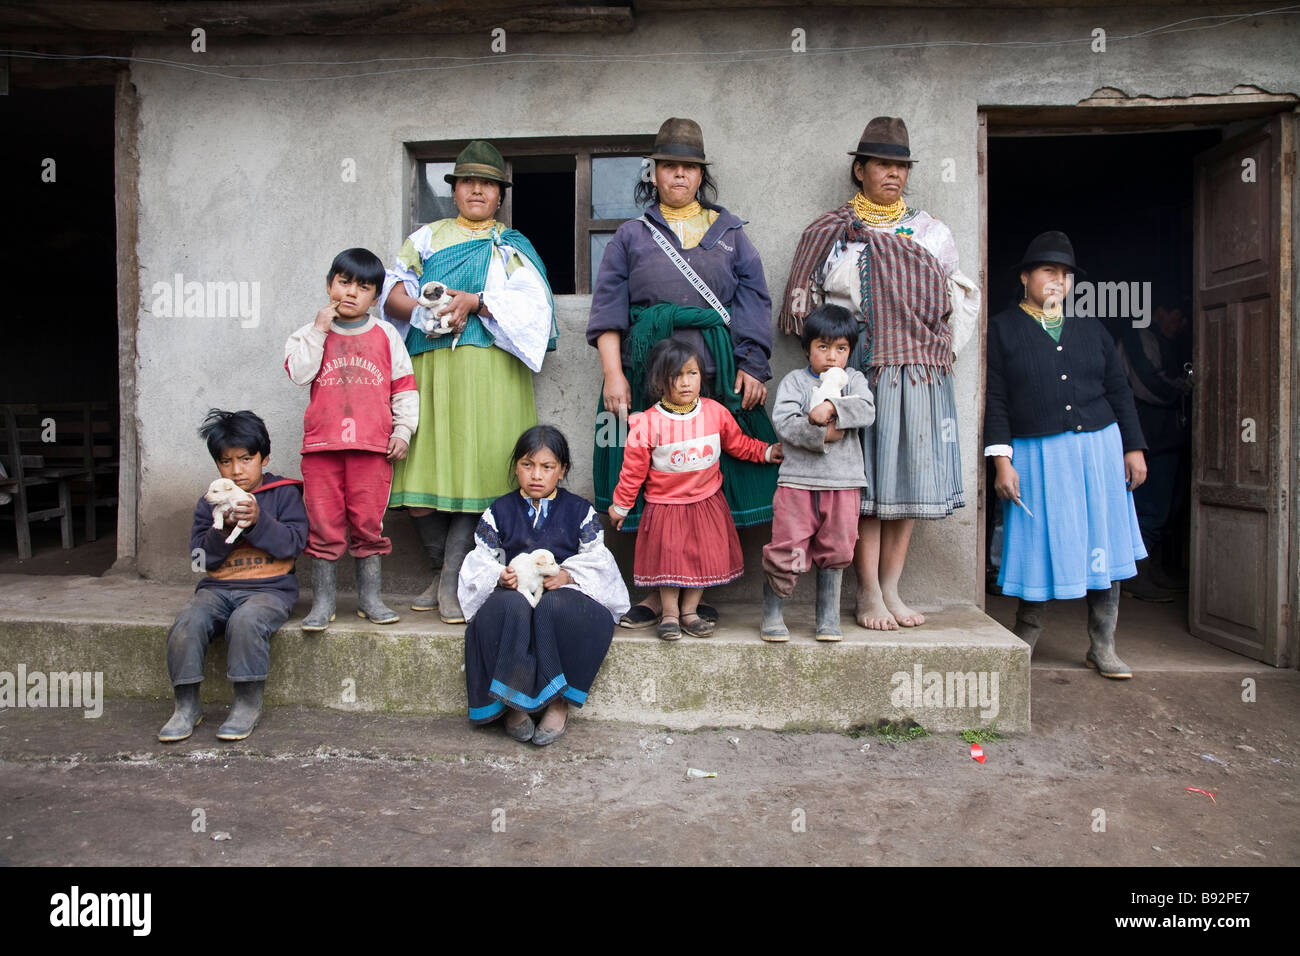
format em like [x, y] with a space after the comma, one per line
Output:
[61, 347]
[1126, 202]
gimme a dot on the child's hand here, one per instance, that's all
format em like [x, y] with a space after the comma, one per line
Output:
[778, 453]
[509, 579]
[557, 580]
[245, 513]
[327, 315]
[396, 448]
[616, 519]
[823, 414]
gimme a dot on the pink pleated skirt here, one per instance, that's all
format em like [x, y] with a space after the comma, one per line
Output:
[689, 546]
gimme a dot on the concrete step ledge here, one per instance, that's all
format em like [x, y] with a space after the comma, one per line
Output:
[934, 675]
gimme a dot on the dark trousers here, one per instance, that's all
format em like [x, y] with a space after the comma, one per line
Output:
[248, 618]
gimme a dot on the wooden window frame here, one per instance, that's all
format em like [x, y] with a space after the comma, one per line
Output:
[582, 148]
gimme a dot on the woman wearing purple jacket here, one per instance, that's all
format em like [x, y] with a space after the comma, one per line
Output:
[684, 269]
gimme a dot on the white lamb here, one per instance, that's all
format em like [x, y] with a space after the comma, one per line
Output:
[434, 296]
[530, 568]
[832, 385]
[223, 494]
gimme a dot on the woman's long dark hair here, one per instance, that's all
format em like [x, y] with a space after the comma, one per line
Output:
[646, 193]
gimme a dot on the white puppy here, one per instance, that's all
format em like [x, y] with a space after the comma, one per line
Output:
[530, 568]
[223, 494]
[434, 297]
[832, 385]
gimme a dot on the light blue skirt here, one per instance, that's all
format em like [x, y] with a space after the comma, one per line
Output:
[1084, 533]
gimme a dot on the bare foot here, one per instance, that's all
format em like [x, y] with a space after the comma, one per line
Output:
[875, 617]
[555, 715]
[903, 614]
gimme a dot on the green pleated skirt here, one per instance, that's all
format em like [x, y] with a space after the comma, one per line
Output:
[474, 404]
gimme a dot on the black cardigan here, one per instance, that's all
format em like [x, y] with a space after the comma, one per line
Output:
[1038, 387]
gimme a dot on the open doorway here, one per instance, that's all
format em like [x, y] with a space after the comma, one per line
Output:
[1126, 201]
[59, 390]
[1177, 211]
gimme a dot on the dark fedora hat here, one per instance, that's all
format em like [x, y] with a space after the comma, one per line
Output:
[1053, 246]
[681, 140]
[885, 138]
[480, 159]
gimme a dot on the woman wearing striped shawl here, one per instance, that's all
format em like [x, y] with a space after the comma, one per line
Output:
[895, 268]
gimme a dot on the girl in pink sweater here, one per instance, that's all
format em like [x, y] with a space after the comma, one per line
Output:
[687, 540]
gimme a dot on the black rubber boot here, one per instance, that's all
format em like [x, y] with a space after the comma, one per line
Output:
[432, 531]
[1030, 616]
[773, 627]
[324, 589]
[828, 603]
[369, 584]
[1103, 613]
[187, 715]
[460, 541]
[246, 712]
[1144, 588]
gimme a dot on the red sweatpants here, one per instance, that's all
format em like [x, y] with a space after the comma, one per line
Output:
[810, 528]
[346, 493]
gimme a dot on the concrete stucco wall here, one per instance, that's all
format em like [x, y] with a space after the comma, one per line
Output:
[241, 181]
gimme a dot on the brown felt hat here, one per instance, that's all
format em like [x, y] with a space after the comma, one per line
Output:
[885, 138]
[681, 140]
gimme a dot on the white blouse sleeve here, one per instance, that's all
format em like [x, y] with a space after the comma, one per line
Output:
[481, 571]
[593, 569]
[520, 306]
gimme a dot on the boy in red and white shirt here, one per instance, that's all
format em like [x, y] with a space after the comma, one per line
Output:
[363, 409]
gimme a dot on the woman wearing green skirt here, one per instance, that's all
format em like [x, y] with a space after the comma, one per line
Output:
[684, 269]
[476, 379]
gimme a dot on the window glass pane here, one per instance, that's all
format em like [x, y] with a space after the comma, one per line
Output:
[434, 201]
[612, 180]
[599, 240]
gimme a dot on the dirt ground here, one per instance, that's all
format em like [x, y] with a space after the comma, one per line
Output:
[1100, 780]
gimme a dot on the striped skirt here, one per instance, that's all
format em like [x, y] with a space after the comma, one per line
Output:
[911, 454]
[1084, 533]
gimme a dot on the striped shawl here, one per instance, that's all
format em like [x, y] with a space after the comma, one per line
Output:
[905, 303]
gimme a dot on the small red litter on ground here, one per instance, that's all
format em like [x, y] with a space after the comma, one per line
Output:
[977, 753]
[1206, 792]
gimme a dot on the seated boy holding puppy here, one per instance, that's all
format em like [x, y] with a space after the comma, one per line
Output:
[249, 588]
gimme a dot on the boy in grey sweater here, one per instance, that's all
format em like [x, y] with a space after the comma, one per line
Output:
[817, 502]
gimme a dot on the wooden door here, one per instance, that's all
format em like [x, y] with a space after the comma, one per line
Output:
[1242, 442]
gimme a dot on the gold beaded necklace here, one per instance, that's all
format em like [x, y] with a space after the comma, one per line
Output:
[689, 211]
[678, 409]
[1048, 320]
[874, 214]
[475, 225]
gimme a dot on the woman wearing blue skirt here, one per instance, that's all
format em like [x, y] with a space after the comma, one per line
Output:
[537, 654]
[1063, 432]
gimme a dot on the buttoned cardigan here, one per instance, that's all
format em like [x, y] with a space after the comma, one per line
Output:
[1037, 386]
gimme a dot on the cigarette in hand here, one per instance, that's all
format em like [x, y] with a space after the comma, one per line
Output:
[1022, 506]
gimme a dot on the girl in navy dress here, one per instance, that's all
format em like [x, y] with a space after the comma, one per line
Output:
[522, 660]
